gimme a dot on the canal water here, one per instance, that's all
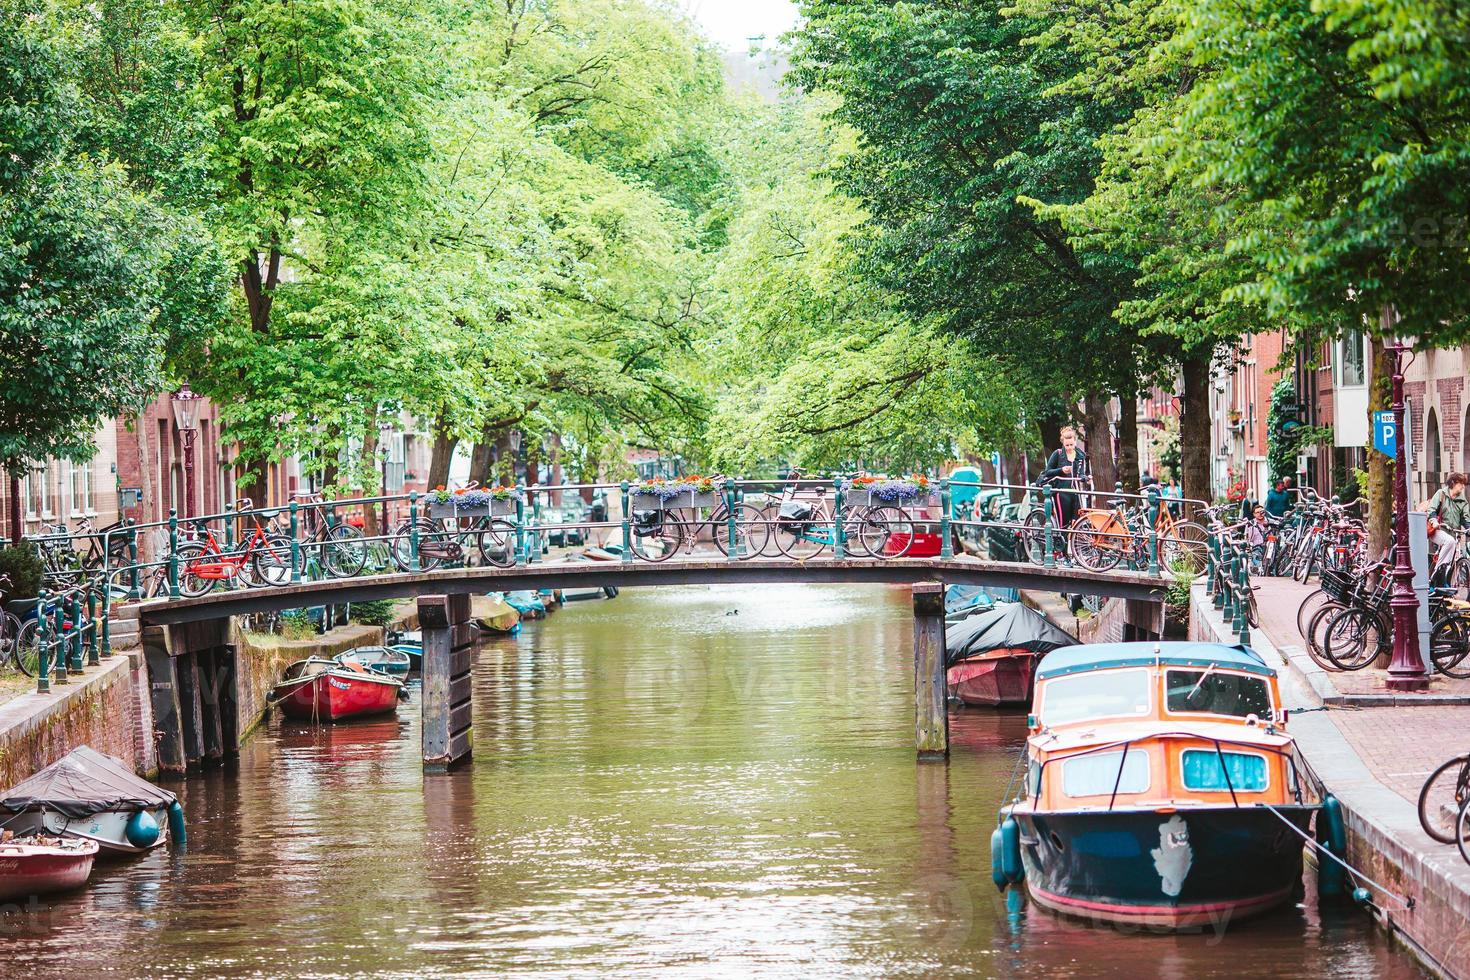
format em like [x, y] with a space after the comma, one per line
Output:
[691, 782]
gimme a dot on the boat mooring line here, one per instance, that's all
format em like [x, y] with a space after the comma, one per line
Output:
[1407, 904]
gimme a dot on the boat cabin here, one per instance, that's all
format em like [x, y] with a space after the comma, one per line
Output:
[1154, 726]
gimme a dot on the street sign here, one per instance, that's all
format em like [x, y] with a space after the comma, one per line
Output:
[1385, 434]
[995, 461]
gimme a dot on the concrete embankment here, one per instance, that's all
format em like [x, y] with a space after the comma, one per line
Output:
[1424, 901]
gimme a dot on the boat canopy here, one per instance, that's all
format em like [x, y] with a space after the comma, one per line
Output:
[81, 783]
[1011, 626]
[1101, 656]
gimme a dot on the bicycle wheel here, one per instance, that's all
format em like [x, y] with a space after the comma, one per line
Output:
[1352, 638]
[1449, 642]
[344, 553]
[660, 541]
[436, 545]
[750, 532]
[1462, 827]
[1442, 797]
[191, 557]
[1032, 537]
[497, 544]
[9, 633]
[1316, 638]
[1184, 548]
[886, 532]
[270, 565]
[1308, 609]
[28, 648]
[1095, 549]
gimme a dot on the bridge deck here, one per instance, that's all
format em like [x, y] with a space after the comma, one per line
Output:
[696, 570]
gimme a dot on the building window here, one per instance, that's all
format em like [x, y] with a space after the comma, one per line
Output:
[1352, 360]
[34, 494]
[79, 489]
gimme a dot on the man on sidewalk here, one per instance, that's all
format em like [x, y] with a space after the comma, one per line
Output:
[1278, 498]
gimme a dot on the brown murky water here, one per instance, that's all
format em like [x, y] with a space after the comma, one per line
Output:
[694, 782]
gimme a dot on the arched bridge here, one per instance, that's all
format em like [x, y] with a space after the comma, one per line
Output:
[960, 570]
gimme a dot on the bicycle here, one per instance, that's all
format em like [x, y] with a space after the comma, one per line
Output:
[670, 532]
[339, 547]
[1102, 538]
[805, 527]
[264, 559]
[447, 540]
[1442, 802]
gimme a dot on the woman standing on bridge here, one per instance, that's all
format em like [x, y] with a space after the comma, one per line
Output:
[1067, 471]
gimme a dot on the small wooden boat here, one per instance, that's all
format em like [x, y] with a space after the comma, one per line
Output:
[324, 690]
[92, 796]
[43, 865]
[1162, 788]
[992, 655]
[494, 615]
[384, 660]
[527, 603]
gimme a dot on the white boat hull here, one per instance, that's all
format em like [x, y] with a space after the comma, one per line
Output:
[109, 829]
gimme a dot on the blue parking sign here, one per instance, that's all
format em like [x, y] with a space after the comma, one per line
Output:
[1385, 434]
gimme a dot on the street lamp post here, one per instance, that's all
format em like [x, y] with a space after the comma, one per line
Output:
[1406, 671]
[385, 429]
[186, 420]
[515, 451]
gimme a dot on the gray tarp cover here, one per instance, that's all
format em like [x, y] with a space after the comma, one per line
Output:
[82, 783]
[1010, 626]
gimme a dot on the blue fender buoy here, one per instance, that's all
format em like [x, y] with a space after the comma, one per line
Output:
[142, 830]
[1331, 834]
[1362, 895]
[176, 823]
[997, 862]
[1010, 853]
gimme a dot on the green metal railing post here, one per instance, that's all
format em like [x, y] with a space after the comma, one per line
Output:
[534, 550]
[413, 532]
[731, 553]
[134, 592]
[1049, 560]
[295, 544]
[520, 525]
[106, 611]
[1219, 577]
[230, 528]
[58, 652]
[94, 636]
[43, 670]
[78, 629]
[173, 553]
[627, 524]
[1243, 619]
[1153, 534]
[946, 548]
[1232, 601]
[839, 539]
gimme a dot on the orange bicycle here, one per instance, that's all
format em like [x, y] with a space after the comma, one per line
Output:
[1102, 538]
[262, 560]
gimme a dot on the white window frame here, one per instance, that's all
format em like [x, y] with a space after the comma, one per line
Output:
[1118, 762]
[1224, 751]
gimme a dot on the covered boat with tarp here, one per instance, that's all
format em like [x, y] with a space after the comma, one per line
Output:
[964, 601]
[992, 655]
[95, 797]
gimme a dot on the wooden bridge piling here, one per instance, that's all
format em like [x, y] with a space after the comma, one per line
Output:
[931, 708]
[447, 693]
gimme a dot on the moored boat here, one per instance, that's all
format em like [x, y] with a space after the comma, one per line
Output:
[325, 690]
[384, 660]
[1162, 788]
[528, 604]
[494, 615]
[992, 655]
[89, 795]
[43, 865]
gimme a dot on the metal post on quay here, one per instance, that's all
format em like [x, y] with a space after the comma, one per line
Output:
[1406, 671]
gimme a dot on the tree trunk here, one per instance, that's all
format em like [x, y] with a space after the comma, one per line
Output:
[1051, 438]
[17, 528]
[1128, 443]
[504, 459]
[1099, 441]
[1194, 426]
[1380, 467]
[482, 455]
[254, 478]
[442, 455]
[369, 476]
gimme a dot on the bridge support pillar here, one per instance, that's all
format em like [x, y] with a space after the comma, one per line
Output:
[447, 700]
[931, 709]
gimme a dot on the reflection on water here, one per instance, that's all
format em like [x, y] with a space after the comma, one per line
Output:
[695, 782]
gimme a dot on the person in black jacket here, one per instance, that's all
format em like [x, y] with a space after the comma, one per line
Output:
[1067, 472]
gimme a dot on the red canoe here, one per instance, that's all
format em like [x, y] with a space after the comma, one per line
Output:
[41, 865]
[993, 678]
[322, 690]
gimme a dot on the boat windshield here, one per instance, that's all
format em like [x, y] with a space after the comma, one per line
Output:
[1099, 694]
[1216, 693]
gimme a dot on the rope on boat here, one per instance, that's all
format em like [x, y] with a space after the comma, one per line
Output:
[1010, 784]
[1407, 904]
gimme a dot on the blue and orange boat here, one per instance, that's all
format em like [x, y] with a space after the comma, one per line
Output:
[1162, 788]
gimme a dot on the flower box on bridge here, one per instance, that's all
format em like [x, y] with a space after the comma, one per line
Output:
[682, 500]
[453, 509]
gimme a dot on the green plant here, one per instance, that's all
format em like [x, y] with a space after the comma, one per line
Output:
[297, 625]
[22, 563]
[376, 612]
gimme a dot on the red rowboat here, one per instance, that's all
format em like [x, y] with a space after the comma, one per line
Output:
[323, 690]
[41, 865]
[994, 677]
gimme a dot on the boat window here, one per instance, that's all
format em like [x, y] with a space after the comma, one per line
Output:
[1096, 694]
[1218, 693]
[1203, 771]
[1034, 782]
[1096, 774]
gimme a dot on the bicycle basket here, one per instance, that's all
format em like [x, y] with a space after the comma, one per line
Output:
[1337, 585]
[796, 510]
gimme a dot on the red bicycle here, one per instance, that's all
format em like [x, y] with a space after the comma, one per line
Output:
[262, 560]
